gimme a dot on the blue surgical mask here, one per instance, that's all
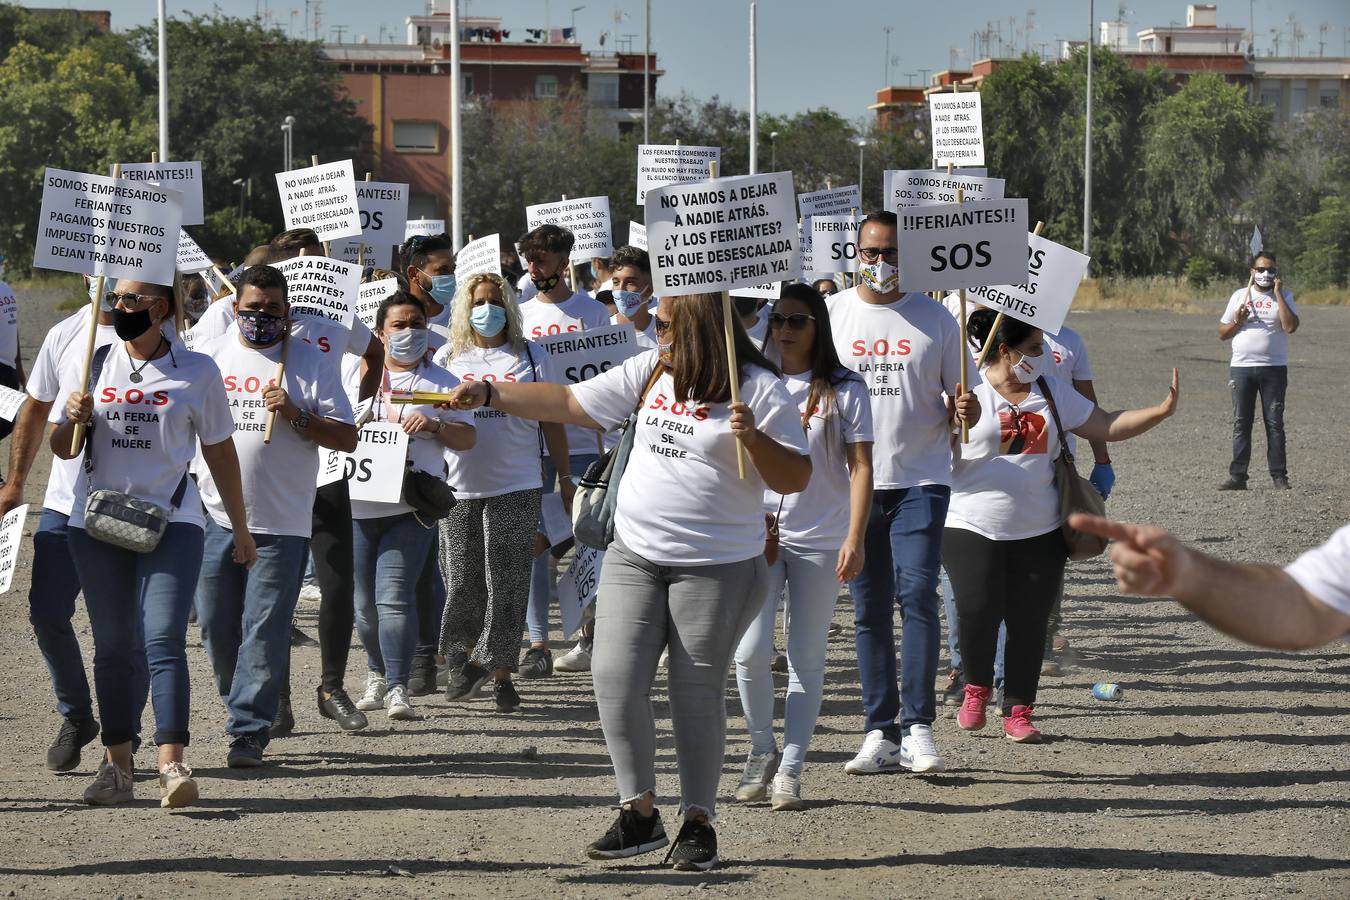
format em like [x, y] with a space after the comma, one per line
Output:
[488, 319]
[442, 288]
[628, 302]
[407, 345]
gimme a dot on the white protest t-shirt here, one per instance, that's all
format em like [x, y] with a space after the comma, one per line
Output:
[577, 313]
[1260, 341]
[908, 352]
[1324, 571]
[760, 329]
[505, 457]
[817, 518]
[1003, 485]
[145, 433]
[426, 453]
[525, 289]
[645, 340]
[680, 501]
[278, 478]
[9, 326]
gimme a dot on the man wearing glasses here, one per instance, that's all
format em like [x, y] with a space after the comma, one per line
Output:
[907, 348]
[1259, 320]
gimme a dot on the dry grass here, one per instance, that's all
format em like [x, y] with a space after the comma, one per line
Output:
[1175, 295]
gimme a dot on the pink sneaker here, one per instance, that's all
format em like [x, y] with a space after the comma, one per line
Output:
[1017, 726]
[971, 714]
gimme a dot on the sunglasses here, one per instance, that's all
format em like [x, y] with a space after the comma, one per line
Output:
[128, 301]
[660, 325]
[796, 321]
[1263, 270]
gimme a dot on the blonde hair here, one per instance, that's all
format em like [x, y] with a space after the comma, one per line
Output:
[462, 333]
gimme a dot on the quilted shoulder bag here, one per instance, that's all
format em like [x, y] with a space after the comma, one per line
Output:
[1076, 493]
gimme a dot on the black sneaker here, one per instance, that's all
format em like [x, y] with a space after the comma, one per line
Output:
[465, 682]
[64, 753]
[504, 692]
[245, 753]
[630, 835]
[695, 848]
[538, 663]
[284, 723]
[955, 693]
[340, 709]
[1280, 483]
[1234, 484]
[422, 676]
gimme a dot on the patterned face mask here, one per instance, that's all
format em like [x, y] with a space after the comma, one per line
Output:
[259, 327]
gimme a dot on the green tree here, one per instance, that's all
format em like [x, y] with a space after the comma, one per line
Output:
[1326, 260]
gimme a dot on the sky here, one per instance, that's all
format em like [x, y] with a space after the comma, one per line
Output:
[812, 53]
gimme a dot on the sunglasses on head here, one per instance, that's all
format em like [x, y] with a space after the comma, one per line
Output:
[796, 321]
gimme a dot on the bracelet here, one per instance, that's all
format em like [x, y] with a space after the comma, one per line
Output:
[487, 401]
[439, 426]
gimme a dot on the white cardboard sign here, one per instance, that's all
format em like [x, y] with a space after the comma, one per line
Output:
[483, 254]
[958, 129]
[578, 587]
[322, 198]
[332, 466]
[369, 297]
[184, 177]
[11, 538]
[322, 287]
[662, 164]
[834, 244]
[190, 257]
[637, 235]
[349, 250]
[94, 225]
[383, 208]
[833, 202]
[423, 226]
[724, 234]
[770, 291]
[962, 245]
[922, 187]
[1043, 300]
[586, 217]
[10, 401]
[581, 355]
[374, 470]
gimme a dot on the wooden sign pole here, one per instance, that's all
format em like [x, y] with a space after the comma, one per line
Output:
[95, 302]
[729, 335]
[327, 251]
[225, 279]
[965, 351]
[281, 374]
[998, 321]
[571, 266]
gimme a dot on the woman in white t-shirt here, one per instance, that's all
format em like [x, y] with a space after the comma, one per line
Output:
[150, 403]
[687, 564]
[820, 543]
[488, 542]
[391, 541]
[1003, 545]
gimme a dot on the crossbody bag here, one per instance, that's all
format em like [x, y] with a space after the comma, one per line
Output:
[1076, 493]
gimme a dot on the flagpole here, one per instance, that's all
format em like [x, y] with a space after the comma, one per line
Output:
[456, 158]
[754, 97]
[163, 86]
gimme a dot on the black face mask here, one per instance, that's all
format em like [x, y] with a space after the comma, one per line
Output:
[544, 285]
[131, 325]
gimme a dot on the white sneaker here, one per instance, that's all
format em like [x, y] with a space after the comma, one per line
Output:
[310, 593]
[787, 791]
[755, 777]
[877, 754]
[177, 787]
[578, 659]
[376, 688]
[396, 701]
[918, 753]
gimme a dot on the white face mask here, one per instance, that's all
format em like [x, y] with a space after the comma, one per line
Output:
[1029, 368]
[880, 276]
[407, 345]
[628, 302]
[1264, 279]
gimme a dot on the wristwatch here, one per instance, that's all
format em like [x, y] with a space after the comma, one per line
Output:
[301, 422]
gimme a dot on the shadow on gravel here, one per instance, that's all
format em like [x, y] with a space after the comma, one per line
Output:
[247, 806]
[654, 875]
[1192, 740]
[1119, 806]
[268, 868]
[1172, 779]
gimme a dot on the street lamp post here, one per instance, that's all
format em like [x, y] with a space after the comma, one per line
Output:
[240, 182]
[862, 143]
[773, 151]
[287, 134]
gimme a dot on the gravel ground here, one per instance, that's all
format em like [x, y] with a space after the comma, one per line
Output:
[1221, 773]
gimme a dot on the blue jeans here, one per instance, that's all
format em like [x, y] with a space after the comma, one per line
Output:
[431, 605]
[130, 595]
[541, 588]
[902, 549]
[1246, 382]
[51, 605]
[245, 617]
[387, 557]
[953, 630]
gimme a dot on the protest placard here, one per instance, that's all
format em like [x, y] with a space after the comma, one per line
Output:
[95, 225]
[481, 255]
[374, 470]
[321, 287]
[662, 164]
[580, 355]
[831, 202]
[922, 187]
[11, 538]
[637, 235]
[190, 257]
[423, 226]
[834, 244]
[1043, 299]
[957, 128]
[724, 234]
[332, 466]
[975, 171]
[10, 401]
[383, 207]
[962, 245]
[578, 586]
[769, 291]
[184, 177]
[322, 198]
[586, 217]
[358, 252]
[368, 299]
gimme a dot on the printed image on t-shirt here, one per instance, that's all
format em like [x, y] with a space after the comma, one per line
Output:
[1020, 432]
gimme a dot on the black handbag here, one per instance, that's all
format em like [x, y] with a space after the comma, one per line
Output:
[430, 497]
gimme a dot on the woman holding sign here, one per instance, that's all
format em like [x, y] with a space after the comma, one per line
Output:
[686, 567]
[391, 541]
[1003, 545]
[820, 543]
[149, 403]
[487, 541]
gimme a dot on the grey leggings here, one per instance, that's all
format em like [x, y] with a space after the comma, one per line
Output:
[487, 549]
[701, 612]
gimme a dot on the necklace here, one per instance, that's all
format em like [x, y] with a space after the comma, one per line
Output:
[136, 377]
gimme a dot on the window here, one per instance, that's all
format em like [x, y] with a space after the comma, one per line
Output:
[545, 86]
[467, 86]
[604, 91]
[417, 137]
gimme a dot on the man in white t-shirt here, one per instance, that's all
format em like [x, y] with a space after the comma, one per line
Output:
[1258, 320]
[908, 350]
[1304, 605]
[245, 616]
